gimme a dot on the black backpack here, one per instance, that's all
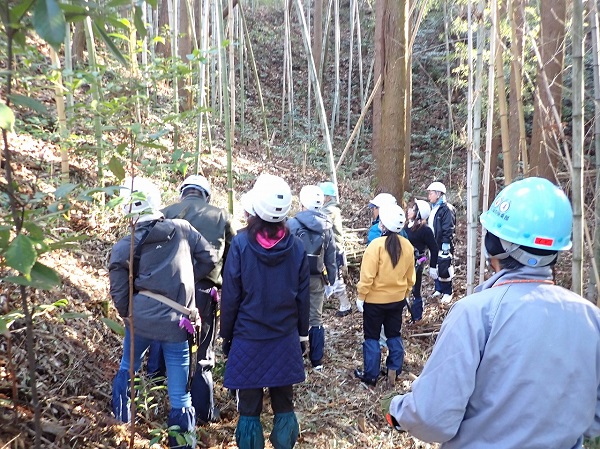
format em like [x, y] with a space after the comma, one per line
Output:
[314, 243]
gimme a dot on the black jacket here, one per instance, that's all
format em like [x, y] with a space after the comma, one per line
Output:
[213, 223]
[422, 239]
[444, 223]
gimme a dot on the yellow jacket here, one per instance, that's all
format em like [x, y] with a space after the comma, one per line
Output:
[380, 282]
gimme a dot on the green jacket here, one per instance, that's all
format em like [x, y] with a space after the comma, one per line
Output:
[213, 223]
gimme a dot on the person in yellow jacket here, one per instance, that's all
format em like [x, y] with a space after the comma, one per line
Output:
[387, 274]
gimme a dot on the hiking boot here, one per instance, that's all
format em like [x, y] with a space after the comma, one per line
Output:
[359, 374]
[436, 294]
[318, 369]
[343, 313]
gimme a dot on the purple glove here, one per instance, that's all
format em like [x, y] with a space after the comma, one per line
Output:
[186, 324]
[214, 293]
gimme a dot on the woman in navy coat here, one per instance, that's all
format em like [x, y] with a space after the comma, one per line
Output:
[264, 316]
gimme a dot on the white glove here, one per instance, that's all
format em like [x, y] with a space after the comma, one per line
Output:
[433, 273]
[360, 305]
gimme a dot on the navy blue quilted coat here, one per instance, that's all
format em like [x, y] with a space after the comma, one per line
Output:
[264, 310]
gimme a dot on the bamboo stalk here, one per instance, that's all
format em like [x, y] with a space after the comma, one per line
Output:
[335, 109]
[62, 116]
[350, 56]
[502, 105]
[255, 73]
[472, 184]
[226, 104]
[95, 91]
[578, 142]
[595, 247]
[241, 64]
[490, 122]
[321, 109]
[231, 72]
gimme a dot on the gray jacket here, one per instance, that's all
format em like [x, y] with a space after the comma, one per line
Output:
[320, 224]
[515, 366]
[173, 253]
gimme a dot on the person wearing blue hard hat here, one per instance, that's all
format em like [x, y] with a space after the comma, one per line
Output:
[516, 364]
[331, 208]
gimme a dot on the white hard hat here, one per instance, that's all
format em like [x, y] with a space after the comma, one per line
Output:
[423, 208]
[392, 217]
[272, 198]
[312, 197]
[382, 199]
[198, 182]
[247, 201]
[437, 186]
[145, 196]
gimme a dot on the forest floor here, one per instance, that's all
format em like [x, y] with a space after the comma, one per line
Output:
[78, 354]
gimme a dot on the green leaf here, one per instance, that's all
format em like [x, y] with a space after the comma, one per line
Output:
[110, 44]
[69, 8]
[116, 166]
[29, 102]
[49, 22]
[114, 326]
[4, 237]
[152, 145]
[19, 10]
[7, 118]
[35, 232]
[64, 189]
[21, 254]
[138, 20]
[41, 277]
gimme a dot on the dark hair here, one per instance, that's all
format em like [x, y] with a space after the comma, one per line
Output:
[419, 221]
[393, 246]
[494, 247]
[257, 225]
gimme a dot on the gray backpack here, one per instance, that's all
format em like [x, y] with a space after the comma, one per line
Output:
[314, 243]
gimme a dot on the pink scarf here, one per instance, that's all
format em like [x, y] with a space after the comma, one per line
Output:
[268, 242]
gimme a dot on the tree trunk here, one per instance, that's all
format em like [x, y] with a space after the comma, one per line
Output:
[544, 150]
[390, 103]
[516, 116]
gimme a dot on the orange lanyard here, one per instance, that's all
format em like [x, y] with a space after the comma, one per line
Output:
[523, 281]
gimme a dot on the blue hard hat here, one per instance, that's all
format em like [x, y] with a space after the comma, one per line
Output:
[531, 212]
[328, 188]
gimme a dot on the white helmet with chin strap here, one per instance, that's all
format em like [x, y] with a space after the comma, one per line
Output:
[272, 198]
[141, 196]
[383, 199]
[312, 197]
[423, 209]
[392, 217]
[437, 187]
[197, 182]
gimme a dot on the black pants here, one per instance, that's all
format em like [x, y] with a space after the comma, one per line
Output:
[250, 401]
[202, 385]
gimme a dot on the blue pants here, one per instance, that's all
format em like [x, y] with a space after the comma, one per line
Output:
[417, 305]
[443, 287]
[177, 360]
